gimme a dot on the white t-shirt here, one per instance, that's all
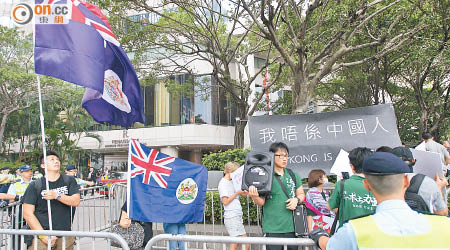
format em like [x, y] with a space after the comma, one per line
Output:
[433, 146]
[234, 208]
[430, 193]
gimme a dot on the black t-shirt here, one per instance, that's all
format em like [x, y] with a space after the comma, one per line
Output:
[61, 213]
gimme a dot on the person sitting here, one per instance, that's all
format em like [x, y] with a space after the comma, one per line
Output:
[125, 222]
[318, 214]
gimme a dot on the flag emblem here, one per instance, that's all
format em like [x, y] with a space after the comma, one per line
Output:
[148, 165]
[113, 93]
[187, 191]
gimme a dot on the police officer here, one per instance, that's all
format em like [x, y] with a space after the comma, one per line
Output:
[17, 189]
[71, 170]
[394, 225]
[15, 193]
[5, 179]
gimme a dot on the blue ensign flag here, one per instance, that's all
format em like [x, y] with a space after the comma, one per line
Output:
[86, 52]
[163, 188]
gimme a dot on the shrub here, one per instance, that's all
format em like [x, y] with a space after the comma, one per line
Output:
[218, 209]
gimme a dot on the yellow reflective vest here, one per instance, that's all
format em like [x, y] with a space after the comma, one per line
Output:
[369, 235]
[20, 187]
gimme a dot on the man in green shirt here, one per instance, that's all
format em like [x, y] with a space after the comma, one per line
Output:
[277, 219]
[358, 201]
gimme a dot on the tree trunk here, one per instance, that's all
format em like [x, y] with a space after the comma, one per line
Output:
[300, 97]
[239, 127]
[2, 128]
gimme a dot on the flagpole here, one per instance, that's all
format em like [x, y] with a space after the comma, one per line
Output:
[44, 149]
[129, 177]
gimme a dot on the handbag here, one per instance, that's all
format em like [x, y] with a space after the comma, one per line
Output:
[133, 235]
[299, 214]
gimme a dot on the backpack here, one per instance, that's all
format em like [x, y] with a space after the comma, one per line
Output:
[412, 197]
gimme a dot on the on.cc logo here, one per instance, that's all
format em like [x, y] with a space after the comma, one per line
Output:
[22, 13]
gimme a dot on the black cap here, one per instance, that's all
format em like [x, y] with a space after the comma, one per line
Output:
[382, 163]
[403, 152]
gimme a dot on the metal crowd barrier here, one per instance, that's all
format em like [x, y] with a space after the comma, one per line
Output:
[93, 212]
[81, 238]
[302, 243]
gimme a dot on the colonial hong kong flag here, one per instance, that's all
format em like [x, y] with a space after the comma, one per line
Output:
[86, 52]
[162, 188]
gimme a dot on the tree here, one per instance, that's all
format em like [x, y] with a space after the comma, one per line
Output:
[314, 38]
[188, 32]
[426, 70]
[17, 81]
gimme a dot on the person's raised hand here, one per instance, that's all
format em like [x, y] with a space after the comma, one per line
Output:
[440, 181]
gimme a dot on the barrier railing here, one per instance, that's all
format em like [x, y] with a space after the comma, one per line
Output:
[93, 212]
[6, 234]
[302, 243]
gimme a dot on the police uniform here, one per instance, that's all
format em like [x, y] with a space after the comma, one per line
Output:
[37, 176]
[18, 187]
[394, 225]
[5, 181]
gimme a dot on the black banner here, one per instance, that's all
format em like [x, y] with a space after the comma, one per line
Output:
[314, 140]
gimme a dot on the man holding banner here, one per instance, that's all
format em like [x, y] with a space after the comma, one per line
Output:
[63, 194]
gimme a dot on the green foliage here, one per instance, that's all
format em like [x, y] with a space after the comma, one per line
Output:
[218, 209]
[217, 161]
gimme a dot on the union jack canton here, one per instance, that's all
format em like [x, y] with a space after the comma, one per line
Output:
[147, 163]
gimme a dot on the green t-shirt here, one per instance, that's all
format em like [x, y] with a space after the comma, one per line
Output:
[358, 201]
[276, 217]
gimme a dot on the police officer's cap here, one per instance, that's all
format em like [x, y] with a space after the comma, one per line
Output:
[403, 152]
[382, 163]
[24, 168]
[5, 168]
[70, 167]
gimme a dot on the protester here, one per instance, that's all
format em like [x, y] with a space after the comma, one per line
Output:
[394, 225]
[432, 146]
[64, 193]
[125, 222]
[277, 218]
[384, 149]
[446, 145]
[92, 176]
[232, 206]
[357, 201]
[71, 170]
[316, 202]
[429, 190]
[175, 228]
